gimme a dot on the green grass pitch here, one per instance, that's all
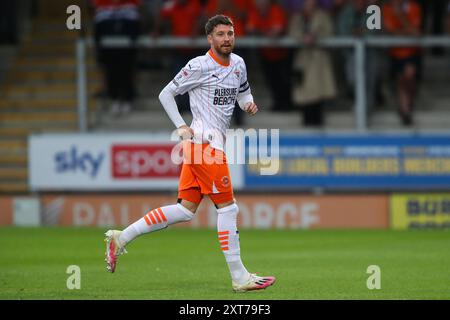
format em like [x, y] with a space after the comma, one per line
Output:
[188, 264]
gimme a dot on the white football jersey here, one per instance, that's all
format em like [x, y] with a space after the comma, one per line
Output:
[213, 89]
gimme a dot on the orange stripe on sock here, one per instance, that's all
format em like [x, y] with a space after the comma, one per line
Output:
[223, 232]
[224, 243]
[161, 214]
[156, 214]
[146, 220]
[223, 238]
[224, 248]
[150, 215]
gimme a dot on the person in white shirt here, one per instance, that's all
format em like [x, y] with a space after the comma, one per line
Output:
[215, 81]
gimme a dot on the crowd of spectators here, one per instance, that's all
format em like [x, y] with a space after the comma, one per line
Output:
[304, 79]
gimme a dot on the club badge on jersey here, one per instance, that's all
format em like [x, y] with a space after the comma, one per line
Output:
[184, 73]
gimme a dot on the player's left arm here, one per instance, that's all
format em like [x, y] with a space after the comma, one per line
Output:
[245, 97]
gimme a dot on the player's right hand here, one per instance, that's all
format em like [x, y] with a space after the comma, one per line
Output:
[185, 132]
[251, 108]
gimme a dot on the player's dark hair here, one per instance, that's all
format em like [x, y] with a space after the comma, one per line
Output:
[215, 21]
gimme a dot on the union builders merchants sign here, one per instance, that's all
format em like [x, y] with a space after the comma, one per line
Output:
[353, 162]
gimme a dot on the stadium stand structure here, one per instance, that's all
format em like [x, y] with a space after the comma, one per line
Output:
[38, 94]
[431, 112]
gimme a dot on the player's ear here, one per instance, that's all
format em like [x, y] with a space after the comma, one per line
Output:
[209, 37]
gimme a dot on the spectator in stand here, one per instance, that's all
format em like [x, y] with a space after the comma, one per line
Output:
[336, 8]
[439, 8]
[433, 13]
[292, 6]
[184, 19]
[314, 83]
[235, 9]
[9, 22]
[118, 18]
[352, 18]
[352, 21]
[152, 12]
[447, 22]
[268, 19]
[404, 18]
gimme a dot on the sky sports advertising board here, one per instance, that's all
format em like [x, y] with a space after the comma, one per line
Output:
[97, 162]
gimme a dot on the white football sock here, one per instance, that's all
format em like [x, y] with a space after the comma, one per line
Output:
[155, 220]
[229, 242]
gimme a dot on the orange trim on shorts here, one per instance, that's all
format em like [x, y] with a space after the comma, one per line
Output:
[193, 195]
[218, 198]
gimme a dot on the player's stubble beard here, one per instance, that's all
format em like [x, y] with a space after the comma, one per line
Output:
[224, 50]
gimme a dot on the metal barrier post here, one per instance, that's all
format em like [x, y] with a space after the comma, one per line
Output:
[360, 86]
[81, 84]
